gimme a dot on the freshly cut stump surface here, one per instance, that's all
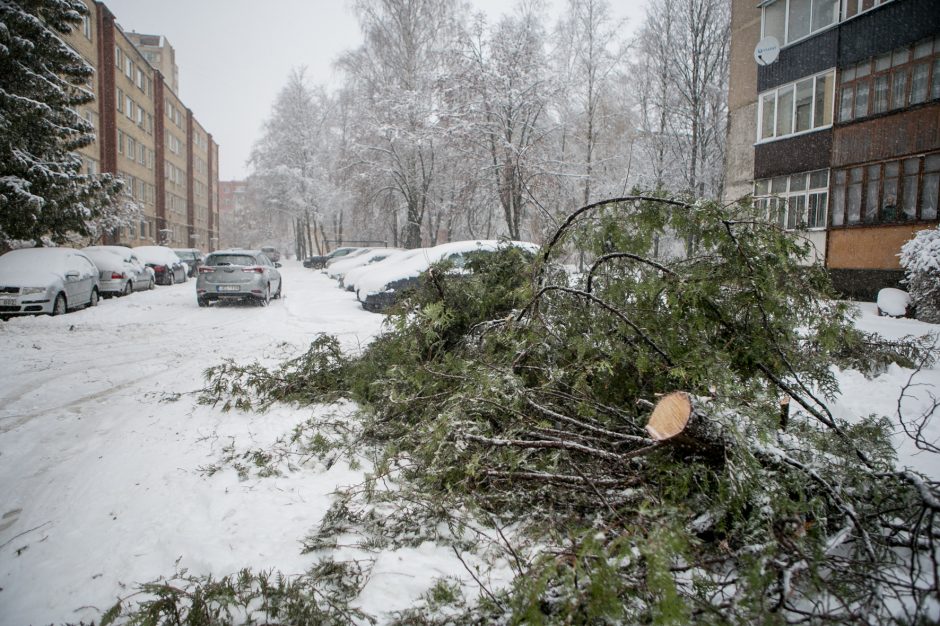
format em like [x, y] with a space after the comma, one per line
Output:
[670, 416]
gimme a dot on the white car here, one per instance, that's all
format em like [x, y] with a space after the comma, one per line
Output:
[340, 268]
[120, 272]
[34, 281]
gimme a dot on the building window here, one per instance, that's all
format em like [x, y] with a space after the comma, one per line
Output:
[799, 107]
[118, 57]
[86, 27]
[120, 100]
[901, 190]
[792, 20]
[797, 201]
[851, 8]
[898, 79]
[129, 68]
[120, 142]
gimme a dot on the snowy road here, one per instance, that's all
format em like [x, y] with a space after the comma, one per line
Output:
[101, 440]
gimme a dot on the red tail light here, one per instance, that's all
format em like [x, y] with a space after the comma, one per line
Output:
[206, 270]
[159, 268]
[116, 276]
[257, 269]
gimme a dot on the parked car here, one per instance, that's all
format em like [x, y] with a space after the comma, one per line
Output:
[238, 275]
[192, 257]
[120, 272]
[380, 287]
[318, 262]
[342, 266]
[168, 268]
[46, 280]
[272, 253]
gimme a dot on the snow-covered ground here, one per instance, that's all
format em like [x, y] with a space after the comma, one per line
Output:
[101, 441]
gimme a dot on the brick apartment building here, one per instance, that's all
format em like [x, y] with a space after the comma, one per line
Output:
[840, 134]
[147, 136]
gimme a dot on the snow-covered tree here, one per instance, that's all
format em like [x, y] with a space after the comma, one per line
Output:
[682, 64]
[290, 177]
[43, 194]
[512, 88]
[398, 74]
[920, 258]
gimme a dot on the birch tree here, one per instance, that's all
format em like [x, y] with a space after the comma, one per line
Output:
[511, 94]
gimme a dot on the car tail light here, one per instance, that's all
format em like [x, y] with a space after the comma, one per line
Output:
[257, 269]
[116, 276]
[206, 270]
[159, 268]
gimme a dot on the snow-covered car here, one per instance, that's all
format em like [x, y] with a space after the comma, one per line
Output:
[120, 272]
[319, 261]
[379, 287]
[272, 253]
[352, 277]
[341, 266]
[168, 268]
[34, 281]
[238, 275]
[192, 257]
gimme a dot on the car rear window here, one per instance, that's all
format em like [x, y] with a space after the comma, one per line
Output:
[231, 259]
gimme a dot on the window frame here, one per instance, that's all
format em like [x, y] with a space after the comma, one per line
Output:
[791, 86]
[781, 202]
[786, 21]
[899, 179]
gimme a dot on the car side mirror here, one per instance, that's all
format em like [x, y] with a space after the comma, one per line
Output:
[277, 265]
[72, 275]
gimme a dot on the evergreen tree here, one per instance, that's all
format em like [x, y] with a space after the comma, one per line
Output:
[43, 194]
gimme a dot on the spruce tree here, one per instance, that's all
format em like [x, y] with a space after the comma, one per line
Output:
[43, 194]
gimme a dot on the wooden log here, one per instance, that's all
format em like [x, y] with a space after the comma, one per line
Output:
[676, 420]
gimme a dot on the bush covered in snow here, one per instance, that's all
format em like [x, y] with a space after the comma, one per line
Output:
[920, 258]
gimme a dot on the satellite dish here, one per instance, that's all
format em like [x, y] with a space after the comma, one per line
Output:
[767, 50]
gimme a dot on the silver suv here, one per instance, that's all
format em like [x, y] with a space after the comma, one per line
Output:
[238, 275]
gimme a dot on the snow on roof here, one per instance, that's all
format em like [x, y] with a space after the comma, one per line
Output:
[156, 254]
[377, 277]
[340, 268]
[36, 267]
[107, 259]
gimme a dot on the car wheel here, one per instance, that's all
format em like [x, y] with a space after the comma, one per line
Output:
[277, 294]
[202, 302]
[93, 300]
[267, 297]
[171, 279]
[151, 284]
[128, 288]
[60, 306]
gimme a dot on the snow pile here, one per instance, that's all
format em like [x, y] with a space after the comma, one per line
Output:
[893, 302]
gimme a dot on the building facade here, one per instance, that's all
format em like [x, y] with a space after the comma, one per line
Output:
[147, 137]
[839, 136]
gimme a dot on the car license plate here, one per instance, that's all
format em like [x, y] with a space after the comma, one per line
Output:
[8, 302]
[229, 288]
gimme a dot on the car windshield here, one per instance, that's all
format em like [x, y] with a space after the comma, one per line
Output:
[231, 259]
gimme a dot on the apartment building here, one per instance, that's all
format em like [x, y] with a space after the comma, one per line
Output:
[147, 137]
[161, 56]
[834, 126]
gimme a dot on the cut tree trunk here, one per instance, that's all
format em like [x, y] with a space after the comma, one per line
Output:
[676, 420]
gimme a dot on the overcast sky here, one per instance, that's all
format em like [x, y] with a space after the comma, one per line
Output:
[235, 55]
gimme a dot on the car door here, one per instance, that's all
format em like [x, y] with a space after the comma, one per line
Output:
[80, 279]
[138, 272]
[274, 276]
